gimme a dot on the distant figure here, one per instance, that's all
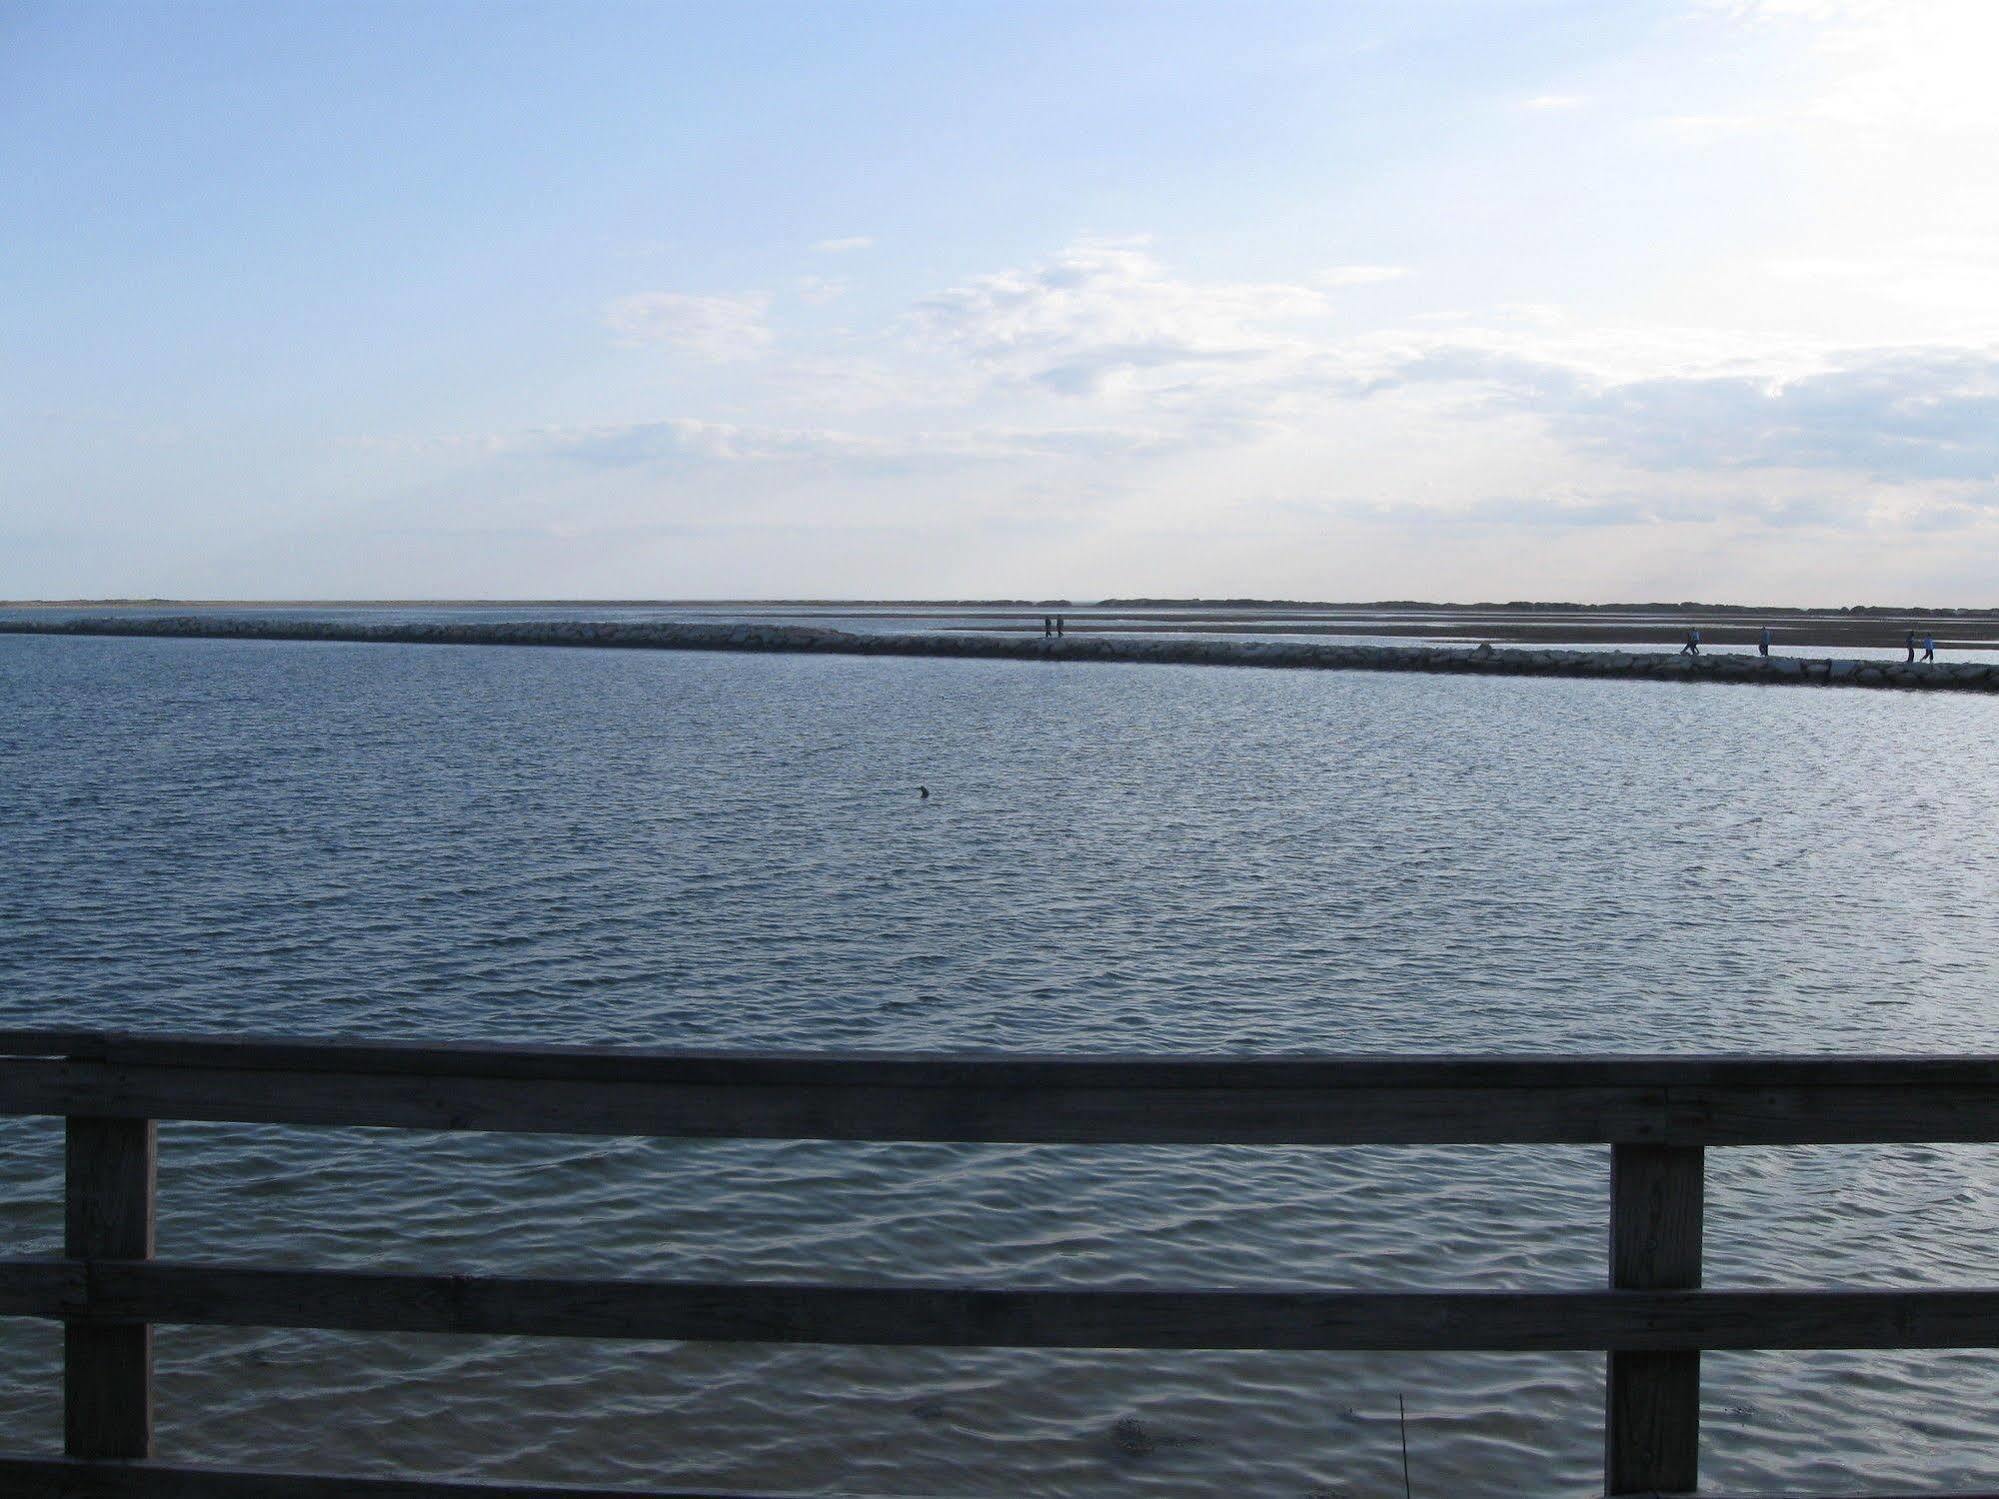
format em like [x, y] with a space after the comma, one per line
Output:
[1693, 645]
[923, 793]
[1059, 623]
[1910, 641]
[1929, 647]
[1047, 626]
[1763, 642]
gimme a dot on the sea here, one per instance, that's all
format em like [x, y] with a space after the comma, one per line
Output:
[731, 851]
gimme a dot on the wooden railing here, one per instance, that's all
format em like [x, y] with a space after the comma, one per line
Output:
[1657, 1115]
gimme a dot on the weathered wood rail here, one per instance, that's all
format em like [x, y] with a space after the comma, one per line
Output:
[1658, 1115]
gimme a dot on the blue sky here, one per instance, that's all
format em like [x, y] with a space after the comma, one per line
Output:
[1500, 298]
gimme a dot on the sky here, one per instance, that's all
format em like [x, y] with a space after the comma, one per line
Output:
[1492, 299]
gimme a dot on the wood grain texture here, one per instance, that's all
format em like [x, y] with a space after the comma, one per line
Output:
[1652, 1398]
[953, 1069]
[57, 1478]
[40, 1288]
[112, 1167]
[1932, 1112]
[1005, 1098]
[942, 1316]
[1658, 1113]
[1001, 1109]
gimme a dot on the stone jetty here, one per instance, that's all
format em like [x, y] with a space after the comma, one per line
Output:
[1311, 655]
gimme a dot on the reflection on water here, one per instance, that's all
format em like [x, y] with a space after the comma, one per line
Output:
[721, 850]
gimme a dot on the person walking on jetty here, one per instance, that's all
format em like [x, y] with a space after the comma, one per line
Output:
[1929, 647]
[1047, 625]
[1910, 641]
[1693, 645]
[1763, 642]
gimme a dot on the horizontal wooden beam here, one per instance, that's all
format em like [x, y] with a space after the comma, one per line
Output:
[68, 1478]
[950, 1317]
[1001, 1109]
[957, 1069]
[1009, 1099]
[63, 1478]
[40, 1288]
[1784, 1114]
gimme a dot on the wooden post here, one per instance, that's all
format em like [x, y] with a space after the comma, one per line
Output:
[108, 1368]
[1653, 1400]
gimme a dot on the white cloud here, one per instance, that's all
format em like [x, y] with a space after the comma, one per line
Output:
[1886, 72]
[1952, 274]
[1224, 367]
[680, 441]
[1362, 275]
[1105, 317]
[683, 439]
[717, 328]
[1919, 65]
[821, 289]
[1768, 259]
[1171, 421]
[1895, 416]
[1706, 130]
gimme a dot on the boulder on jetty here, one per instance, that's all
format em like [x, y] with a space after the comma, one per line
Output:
[704, 635]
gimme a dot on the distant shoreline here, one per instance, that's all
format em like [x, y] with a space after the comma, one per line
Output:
[1226, 605]
[1082, 649]
[1635, 626]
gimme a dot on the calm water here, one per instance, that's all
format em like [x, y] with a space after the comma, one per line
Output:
[728, 850]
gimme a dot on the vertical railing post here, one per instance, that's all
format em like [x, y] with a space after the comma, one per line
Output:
[1652, 1404]
[108, 1367]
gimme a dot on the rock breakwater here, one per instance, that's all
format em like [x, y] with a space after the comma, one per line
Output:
[1307, 655]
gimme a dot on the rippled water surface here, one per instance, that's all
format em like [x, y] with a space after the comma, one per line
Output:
[718, 850]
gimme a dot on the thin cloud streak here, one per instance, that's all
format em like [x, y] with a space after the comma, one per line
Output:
[715, 328]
